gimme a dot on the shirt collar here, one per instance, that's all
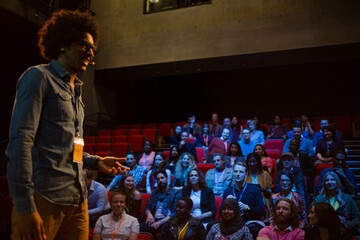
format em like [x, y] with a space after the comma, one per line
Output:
[92, 187]
[289, 228]
[63, 73]
[120, 217]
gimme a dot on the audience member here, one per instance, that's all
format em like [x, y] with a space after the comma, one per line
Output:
[186, 146]
[304, 161]
[147, 157]
[159, 164]
[98, 202]
[231, 225]
[183, 166]
[227, 123]
[249, 198]
[133, 196]
[297, 123]
[324, 224]
[346, 176]
[287, 163]
[286, 223]
[266, 161]
[215, 128]
[176, 138]
[246, 144]
[203, 197]
[286, 184]
[278, 130]
[306, 125]
[124, 225]
[342, 203]
[328, 146]
[235, 129]
[256, 136]
[218, 178]
[160, 206]
[203, 139]
[256, 175]
[259, 125]
[320, 134]
[183, 226]
[218, 145]
[234, 155]
[173, 155]
[191, 127]
[135, 170]
[305, 144]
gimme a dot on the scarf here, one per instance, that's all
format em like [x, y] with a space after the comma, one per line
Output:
[233, 225]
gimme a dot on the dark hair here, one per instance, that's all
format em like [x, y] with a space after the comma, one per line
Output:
[294, 217]
[332, 130]
[89, 173]
[171, 157]
[160, 171]
[220, 155]
[259, 168]
[263, 148]
[162, 156]
[288, 174]
[238, 145]
[113, 194]
[189, 202]
[64, 28]
[202, 182]
[130, 195]
[328, 218]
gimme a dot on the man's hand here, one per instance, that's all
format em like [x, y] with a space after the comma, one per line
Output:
[150, 219]
[31, 226]
[111, 165]
[243, 206]
[156, 225]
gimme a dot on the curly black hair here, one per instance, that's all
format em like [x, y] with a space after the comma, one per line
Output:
[64, 28]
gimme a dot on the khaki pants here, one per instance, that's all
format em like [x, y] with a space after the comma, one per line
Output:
[60, 221]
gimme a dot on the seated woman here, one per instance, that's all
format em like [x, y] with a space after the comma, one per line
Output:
[342, 203]
[183, 226]
[159, 164]
[183, 166]
[266, 161]
[203, 197]
[234, 154]
[278, 130]
[286, 162]
[324, 224]
[176, 138]
[203, 139]
[256, 175]
[235, 129]
[117, 224]
[286, 184]
[173, 155]
[147, 157]
[327, 147]
[231, 225]
[133, 196]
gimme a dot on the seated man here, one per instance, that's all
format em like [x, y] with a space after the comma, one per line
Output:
[136, 171]
[320, 135]
[246, 144]
[286, 223]
[249, 197]
[160, 206]
[98, 203]
[186, 146]
[191, 127]
[304, 134]
[218, 145]
[305, 144]
[219, 177]
[346, 176]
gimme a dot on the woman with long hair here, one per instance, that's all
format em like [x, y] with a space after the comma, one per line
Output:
[277, 130]
[159, 164]
[256, 175]
[342, 203]
[147, 157]
[133, 196]
[234, 155]
[231, 225]
[324, 224]
[173, 155]
[183, 166]
[266, 161]
[203, 197]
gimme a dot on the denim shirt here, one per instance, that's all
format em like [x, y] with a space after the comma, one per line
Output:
[46, 116]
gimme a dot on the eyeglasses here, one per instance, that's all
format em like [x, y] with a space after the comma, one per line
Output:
[86, 47]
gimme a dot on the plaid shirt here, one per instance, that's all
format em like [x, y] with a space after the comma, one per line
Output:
[138, 174]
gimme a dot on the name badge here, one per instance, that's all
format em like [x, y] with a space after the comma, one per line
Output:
[78, 149]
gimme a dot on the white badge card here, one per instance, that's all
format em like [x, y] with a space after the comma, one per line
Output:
[78, 149]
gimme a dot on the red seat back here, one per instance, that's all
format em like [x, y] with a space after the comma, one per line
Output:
[274, 144]
[218, 201]
[204, 167]
[200, 154]
[133, 131]
[104, 133]
[144, 198]
[165, 130]
[120, 149]
[136, 143]
[150, 134]
[119, 138]
[103, 139]
[117, 132]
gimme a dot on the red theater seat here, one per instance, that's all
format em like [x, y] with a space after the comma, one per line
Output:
[136, 143]
[119, 138]
[165, 130]
[274, 144]
[133, 131]
[103, 139]
[150, 134]
[120, 149]
[89, 139]
[104, 133]
[118, 132]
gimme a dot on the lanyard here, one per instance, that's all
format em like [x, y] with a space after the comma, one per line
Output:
[217, 181]
[113, 235]
[181, 231]
[195, 198]
[241, 192]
